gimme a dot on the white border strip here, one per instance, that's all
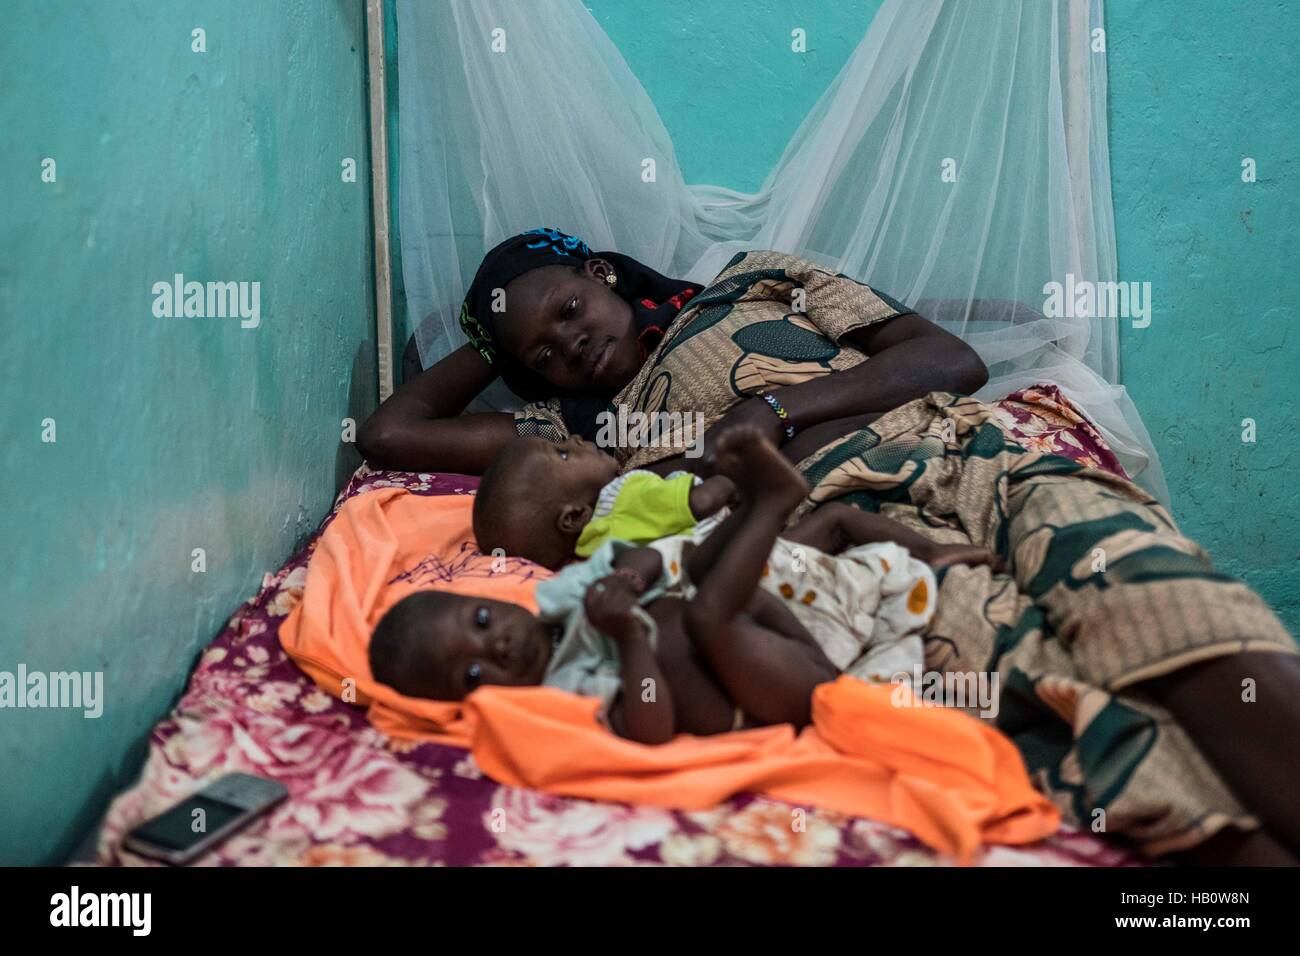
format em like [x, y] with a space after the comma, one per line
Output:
[1078, 126]
[379, 196]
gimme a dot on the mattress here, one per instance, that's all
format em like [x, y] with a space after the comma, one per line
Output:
[359, 798]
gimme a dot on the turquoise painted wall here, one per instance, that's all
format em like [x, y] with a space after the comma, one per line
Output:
[1194, 87]
[724, 78]
[172, 434]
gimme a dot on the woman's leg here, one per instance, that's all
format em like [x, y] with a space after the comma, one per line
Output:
[1243, 711]
[1144, 615]
[1104, 597]
[1232, 847]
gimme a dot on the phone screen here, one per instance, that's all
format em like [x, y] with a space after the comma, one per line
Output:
[176, 829]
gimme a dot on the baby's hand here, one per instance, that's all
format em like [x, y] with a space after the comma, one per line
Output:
[942, 555]
[711, 496]
[609, 603]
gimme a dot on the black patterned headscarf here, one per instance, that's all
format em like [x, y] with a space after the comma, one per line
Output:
[655, 300]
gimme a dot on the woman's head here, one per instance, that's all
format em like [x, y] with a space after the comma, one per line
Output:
[569, 327]
[556, 318]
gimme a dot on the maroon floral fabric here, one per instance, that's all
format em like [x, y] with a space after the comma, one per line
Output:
[358, 798]
[1045, 420]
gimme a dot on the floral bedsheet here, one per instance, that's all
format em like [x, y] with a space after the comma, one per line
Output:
[358, 798]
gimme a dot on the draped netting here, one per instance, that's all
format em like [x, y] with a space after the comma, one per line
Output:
[958, 162]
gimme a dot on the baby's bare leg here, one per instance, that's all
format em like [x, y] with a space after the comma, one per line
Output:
[706, 554]
[768, 674]
[771, 612]
[834, 527]
[770, 478]
[770, 489]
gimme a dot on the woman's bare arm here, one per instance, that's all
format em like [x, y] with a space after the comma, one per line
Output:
[795, 450]
[910, 356]
[420, 427]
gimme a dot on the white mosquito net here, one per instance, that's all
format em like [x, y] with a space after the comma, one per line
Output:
[958, 162]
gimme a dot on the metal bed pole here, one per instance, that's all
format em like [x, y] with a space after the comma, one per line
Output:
[379, 211]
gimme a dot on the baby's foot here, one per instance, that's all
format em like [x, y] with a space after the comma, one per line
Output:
[761, 473]
[944, 555]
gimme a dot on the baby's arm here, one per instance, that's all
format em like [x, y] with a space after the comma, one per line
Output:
[711, 495]
[834, 527]
[609, 603]
[645, 564]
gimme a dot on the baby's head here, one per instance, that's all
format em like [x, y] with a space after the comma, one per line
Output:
[537, 496]
[441, 646]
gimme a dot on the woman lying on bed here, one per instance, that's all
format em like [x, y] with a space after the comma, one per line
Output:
[1151, 696]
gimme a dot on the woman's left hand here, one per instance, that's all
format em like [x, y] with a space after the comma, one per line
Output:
[750, 412]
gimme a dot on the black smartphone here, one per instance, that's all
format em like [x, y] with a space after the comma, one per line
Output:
[196, 825]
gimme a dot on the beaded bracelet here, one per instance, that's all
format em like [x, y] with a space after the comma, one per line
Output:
[781, 413]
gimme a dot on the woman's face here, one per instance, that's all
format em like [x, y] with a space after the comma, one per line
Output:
[570, 328]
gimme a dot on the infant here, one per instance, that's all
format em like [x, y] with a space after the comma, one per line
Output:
[698, 648]
[866, 606]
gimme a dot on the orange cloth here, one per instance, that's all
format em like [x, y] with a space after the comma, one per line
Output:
[950, 779]
[382, 546]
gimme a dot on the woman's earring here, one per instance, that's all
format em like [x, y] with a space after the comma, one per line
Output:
[610, 279]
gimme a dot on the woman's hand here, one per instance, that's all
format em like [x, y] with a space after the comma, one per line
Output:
[749, 412]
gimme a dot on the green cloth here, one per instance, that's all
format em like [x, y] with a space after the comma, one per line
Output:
[585, 661]
[639, 507]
